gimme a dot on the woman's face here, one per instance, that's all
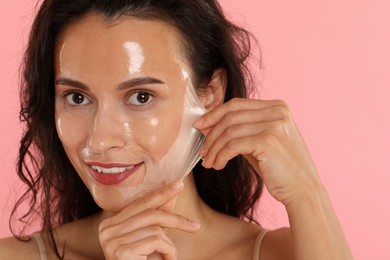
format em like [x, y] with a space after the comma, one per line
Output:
[119, 98]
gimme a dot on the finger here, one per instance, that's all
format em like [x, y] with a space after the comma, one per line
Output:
[265, 143]
[150, 217]
[212, 117]
[110, 244]
[231, 133]
[155, 199]
[164, 219]
[146, 247]
[241, 117]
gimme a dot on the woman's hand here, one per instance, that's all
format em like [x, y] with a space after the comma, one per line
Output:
[137, 232]
[265, 133]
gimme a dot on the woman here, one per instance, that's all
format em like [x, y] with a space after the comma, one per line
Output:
[90, 66]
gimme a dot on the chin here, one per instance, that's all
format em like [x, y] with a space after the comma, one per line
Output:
[111, 204]
[113, 199]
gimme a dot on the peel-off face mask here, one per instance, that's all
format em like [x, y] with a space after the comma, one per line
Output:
[125, 105]
[174, 164]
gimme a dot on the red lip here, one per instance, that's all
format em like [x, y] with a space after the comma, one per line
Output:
[112, 179]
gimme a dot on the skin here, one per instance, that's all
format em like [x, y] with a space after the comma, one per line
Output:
[109, 121]
[174, 223]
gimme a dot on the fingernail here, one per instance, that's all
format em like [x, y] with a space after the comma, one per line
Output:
[198, 122]
[195, 225]
[177, 185]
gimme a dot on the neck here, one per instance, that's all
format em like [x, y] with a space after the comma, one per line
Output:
[190, 205]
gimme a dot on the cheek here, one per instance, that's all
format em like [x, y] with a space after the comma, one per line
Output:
[158, 133]
[71, 131]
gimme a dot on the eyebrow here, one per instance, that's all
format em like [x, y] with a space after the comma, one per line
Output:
[124, 85]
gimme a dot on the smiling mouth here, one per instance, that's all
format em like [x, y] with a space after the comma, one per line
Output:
[112, 170]
[112, 174]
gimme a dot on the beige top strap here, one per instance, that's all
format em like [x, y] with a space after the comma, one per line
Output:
[259, 239]
[41, 246]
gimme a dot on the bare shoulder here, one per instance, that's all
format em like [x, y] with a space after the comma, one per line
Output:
[277, 244]
[12, 248]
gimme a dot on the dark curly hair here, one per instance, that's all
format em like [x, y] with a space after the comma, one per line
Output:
[211, 42]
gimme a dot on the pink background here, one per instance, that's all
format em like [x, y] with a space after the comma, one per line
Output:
[330, 60]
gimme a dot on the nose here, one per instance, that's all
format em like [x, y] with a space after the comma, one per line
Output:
[107, 131]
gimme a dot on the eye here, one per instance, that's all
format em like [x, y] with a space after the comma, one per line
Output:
[77, 99]
[140, 98]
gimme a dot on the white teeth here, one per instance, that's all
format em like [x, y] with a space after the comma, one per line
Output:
[113, 170]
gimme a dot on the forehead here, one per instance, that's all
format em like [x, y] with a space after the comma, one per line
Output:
[94, 40]
[96, 27]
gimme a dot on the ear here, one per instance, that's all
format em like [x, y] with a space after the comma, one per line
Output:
[213, 94]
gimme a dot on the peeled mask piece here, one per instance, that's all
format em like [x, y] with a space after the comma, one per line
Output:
[174, 163]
